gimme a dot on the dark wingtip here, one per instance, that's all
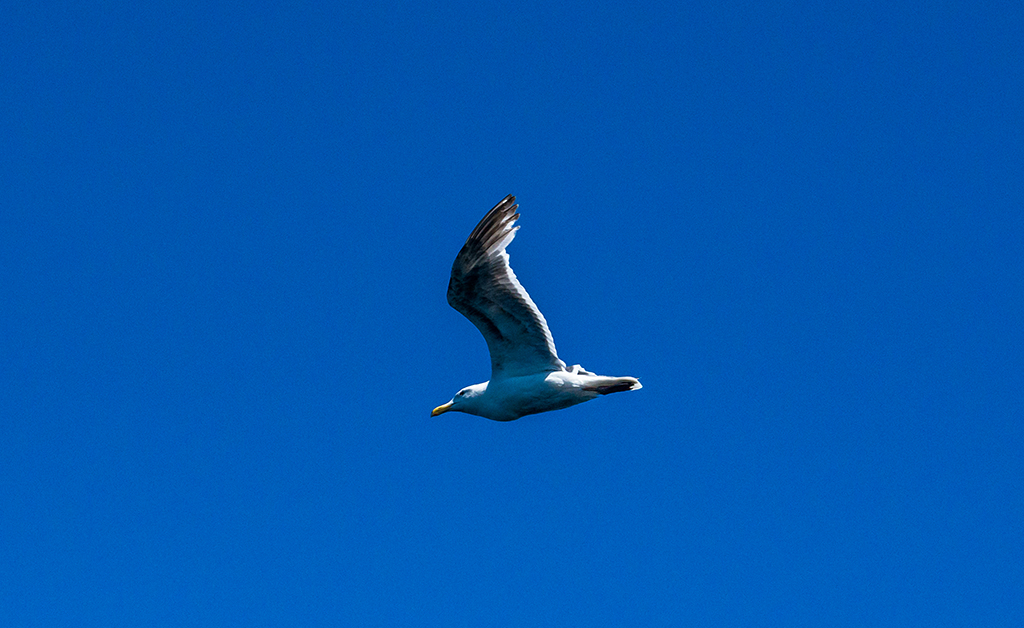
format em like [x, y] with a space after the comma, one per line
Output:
[488, 227]
[620, 384]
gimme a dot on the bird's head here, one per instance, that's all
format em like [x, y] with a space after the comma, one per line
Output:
[466, 400]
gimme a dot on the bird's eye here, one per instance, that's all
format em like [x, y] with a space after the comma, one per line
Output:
[461, 393]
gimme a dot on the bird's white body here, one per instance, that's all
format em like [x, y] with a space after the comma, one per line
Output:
[526, 375]
[508, 399]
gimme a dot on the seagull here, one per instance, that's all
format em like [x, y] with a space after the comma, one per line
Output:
[526, 375]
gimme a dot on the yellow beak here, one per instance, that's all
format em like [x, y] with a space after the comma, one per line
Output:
[441, 409]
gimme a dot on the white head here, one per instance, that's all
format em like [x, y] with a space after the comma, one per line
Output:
[467, 400]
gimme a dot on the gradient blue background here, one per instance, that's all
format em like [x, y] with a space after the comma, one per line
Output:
[225, 237]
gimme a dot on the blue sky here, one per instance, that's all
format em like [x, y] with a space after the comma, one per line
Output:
[226, 233]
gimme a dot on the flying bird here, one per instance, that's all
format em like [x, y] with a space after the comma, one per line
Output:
[526, 375]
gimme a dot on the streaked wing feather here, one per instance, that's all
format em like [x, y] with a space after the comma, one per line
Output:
[486, 291]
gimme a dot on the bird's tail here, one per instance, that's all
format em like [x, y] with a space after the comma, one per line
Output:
[609, 385]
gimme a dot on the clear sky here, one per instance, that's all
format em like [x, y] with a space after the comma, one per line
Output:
[225, 238]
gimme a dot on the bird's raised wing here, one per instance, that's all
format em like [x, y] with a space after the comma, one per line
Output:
[485, 290]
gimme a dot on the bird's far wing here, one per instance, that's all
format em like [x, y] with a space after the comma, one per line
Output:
[485, 290]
